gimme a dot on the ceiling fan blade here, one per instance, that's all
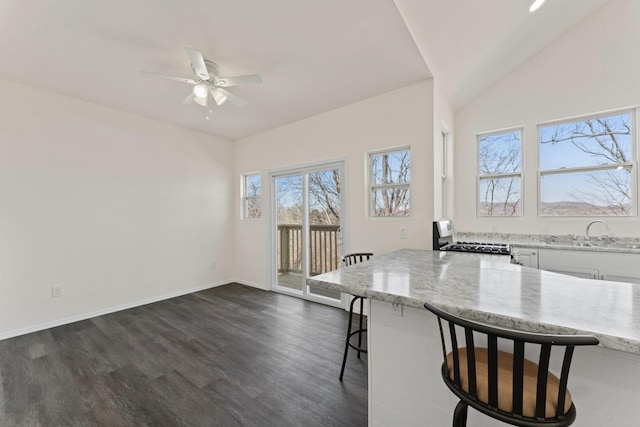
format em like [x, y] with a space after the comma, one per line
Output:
[166, 77]
[238, 102]
[197, 60]
[239, 80]
[189, 99]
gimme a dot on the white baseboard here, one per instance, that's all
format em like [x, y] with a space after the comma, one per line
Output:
[262, 286]
[108, 310]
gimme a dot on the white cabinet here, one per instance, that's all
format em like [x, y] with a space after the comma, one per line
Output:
[620, 276]
[617, 267]
[585, 273]
[527, 257]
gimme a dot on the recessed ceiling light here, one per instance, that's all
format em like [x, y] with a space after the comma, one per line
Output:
[536, 5]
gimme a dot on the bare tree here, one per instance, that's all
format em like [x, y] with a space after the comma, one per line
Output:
[324, 198]
[606, 141]
[324, 192]
[499, 159]
[599, 138]
[391, 175]
[252, 199]
[289, 200]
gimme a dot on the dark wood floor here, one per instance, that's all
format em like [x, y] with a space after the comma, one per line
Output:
[228, 356]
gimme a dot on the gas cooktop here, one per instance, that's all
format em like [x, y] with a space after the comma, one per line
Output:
[443, 241]
[479, 247]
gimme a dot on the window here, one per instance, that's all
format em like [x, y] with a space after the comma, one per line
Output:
[500, 173]
[251, 196]
[389, 179]
[443, 175]
[586, 166]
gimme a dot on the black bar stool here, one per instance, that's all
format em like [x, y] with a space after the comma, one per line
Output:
[505, 385]
[347, 260]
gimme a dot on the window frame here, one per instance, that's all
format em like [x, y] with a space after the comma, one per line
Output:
[372, 187]
[480, 177]
[246, 198]
[632, 165]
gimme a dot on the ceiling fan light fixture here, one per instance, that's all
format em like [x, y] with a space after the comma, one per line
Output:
[200, 91]
[219, 98]
[536, 5]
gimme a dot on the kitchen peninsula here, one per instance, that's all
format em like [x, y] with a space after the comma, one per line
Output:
[404, 356]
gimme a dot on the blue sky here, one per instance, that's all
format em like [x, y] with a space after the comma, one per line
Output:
[565, 154]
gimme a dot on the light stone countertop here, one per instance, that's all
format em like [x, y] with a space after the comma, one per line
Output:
[629, 245]
[489, 289]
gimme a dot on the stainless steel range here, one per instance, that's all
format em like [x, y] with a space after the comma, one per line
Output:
[443, 241]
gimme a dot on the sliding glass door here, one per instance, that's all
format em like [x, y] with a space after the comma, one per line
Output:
[307, 211]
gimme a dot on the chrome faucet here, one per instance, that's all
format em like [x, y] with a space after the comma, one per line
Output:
[593, 222]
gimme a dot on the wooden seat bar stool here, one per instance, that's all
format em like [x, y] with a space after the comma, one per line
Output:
[504, 384]
[348, 260]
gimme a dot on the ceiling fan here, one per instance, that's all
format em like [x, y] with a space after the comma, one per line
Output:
[208, 85]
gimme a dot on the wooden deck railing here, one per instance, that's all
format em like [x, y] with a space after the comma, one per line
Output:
[324, 252]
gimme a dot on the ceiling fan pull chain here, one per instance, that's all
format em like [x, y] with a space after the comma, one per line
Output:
[209, 105]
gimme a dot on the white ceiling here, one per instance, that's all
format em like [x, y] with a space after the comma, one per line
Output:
[471, 44]
[313, 56]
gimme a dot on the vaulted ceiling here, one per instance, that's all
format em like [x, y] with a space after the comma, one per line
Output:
[313, 56]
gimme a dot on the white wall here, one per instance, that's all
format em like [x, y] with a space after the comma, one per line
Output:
[398, 118]
[116, 208]
[592, 68]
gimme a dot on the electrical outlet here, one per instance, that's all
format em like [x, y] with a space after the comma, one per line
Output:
[56, 291]
[213, 264]
[403, 233]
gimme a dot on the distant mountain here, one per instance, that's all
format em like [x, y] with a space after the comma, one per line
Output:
[569, 208]
[564, 208]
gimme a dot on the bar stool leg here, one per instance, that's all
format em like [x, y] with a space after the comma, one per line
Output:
[346, 345]
[460, 415]
[360, 333]
[350, 333]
